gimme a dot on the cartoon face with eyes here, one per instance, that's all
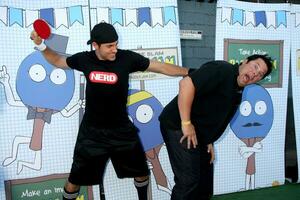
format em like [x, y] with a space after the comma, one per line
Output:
[143, 110]
[40, 84]
[255, 115]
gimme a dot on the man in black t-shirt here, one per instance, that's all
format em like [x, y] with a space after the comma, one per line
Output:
[197, 117]
[106, 131]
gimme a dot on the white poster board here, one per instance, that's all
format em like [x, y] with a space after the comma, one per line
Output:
[252, 28]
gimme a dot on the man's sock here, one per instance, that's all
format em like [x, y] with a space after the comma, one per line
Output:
[142, 188]
[70, 195]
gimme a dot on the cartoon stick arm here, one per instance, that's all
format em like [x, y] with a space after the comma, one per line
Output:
[4, 79]
[246, 152]
[81, 95]
[67, 113]
[80, 104]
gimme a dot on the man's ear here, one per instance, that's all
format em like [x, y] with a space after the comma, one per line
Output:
[95, 45]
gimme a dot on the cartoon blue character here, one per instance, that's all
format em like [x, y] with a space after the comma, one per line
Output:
[251, 124]
[143, 110]
[44, 90]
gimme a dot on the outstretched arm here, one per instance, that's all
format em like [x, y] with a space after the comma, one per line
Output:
[4, 79]
[51, 56]
[167, 69]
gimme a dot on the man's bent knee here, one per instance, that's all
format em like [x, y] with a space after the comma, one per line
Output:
[141, 178]
[70, 187]
[71, 191]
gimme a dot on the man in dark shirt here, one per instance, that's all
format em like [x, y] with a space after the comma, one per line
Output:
[106, 131]
[197, 117]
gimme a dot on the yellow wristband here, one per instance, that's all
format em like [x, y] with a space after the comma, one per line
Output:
[184, 123]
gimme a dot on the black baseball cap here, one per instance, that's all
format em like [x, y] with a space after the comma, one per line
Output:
[103, 33]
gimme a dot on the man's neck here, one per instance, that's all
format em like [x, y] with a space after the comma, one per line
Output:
[98, 55]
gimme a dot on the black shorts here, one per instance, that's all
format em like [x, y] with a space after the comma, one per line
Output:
[94, 147]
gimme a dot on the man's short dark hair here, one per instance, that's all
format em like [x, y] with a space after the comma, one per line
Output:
[267, 59]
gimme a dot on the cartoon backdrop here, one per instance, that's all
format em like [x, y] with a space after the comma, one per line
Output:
[250, 154]
[41, 106]
[295, 72]
[152, 29]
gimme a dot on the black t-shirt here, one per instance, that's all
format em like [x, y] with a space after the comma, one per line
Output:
[217, 97]
[107, 85]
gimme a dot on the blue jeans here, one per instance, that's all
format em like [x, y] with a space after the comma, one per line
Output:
[193, 174]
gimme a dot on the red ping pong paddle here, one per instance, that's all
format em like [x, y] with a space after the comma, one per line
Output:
[42, 28]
